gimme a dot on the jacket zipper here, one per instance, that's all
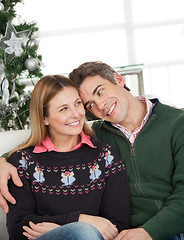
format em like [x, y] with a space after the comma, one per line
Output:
[158, 204]
[135, 171]
[133, 151]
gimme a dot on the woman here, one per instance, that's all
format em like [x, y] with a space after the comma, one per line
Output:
[75, 186]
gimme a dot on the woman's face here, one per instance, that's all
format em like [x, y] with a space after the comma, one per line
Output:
[66, 114]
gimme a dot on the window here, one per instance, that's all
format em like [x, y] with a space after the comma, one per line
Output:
[118, 32]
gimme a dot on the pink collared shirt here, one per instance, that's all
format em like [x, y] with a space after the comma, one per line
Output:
[132, 135]
[47, 144]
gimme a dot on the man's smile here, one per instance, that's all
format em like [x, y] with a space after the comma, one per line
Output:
[111, 109]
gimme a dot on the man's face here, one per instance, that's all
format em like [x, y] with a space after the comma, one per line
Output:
[104, 99]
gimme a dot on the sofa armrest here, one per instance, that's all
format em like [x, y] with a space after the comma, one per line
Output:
[12, 139]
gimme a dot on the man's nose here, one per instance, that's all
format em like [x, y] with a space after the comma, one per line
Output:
[101, 104]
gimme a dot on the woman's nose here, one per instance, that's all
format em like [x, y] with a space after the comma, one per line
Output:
[75, 113]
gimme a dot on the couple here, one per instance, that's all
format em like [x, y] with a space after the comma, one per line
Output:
[148, 135]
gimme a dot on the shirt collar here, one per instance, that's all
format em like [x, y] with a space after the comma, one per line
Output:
[149, 106]
[47, 145]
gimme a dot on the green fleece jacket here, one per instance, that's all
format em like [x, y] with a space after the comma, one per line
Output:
[155, 169]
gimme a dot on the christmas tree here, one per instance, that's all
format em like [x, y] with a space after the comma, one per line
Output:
[18, 60]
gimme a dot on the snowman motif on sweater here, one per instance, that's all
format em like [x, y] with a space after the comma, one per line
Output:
[38, 174]
[23, 163]
[95, 172]
[108, 158]
[67, 178]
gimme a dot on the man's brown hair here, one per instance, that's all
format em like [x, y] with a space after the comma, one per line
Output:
[92, 69]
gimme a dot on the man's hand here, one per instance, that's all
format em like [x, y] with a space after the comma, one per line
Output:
[36, 230]
[133, 234]
[7, 171]
[104, 226]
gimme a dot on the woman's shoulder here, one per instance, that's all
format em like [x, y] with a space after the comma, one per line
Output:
[108, 155]
[103, 146]
[21, 154]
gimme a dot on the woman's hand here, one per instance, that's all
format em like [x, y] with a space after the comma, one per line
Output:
[103, 225]
[7, 171]
[36, 230]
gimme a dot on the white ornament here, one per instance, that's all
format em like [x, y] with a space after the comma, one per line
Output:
[31, 64]
[31, 43]
[1, 7]
[14, 44]
[6, 93]
[2, 73]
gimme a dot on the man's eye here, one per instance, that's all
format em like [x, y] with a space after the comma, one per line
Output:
[99, 92]
[90, 106]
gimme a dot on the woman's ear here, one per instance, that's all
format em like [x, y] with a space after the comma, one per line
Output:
[46, 122]
[119, 80]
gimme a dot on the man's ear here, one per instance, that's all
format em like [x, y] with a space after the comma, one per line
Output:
[119, 80]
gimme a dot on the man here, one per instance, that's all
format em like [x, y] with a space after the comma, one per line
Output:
[150, 138]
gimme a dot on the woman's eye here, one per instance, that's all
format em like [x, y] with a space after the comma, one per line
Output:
[78, 103]
[99, 92]
[63, 109]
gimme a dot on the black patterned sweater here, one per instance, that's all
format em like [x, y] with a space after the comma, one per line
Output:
[59, 186]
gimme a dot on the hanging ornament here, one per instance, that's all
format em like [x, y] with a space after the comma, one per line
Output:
[2, 71]
[6, 93]
[12, 42]
[1, 7]
[2, 67]
[31, 64]
[31, 43]
[14, 45]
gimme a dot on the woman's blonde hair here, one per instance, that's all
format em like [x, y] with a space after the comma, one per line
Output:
[45, 89]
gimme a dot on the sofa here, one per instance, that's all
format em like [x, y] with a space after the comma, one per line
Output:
[9, 140]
